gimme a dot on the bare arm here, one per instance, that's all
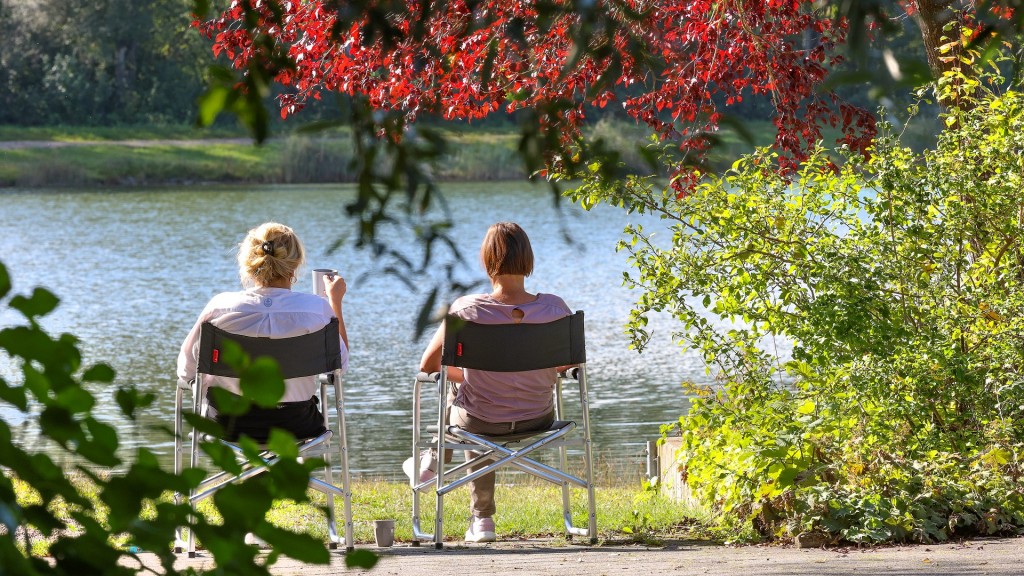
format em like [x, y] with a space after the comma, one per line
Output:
[431, 360]
[336, 288]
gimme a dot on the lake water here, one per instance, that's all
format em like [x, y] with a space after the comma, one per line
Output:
[133, 268]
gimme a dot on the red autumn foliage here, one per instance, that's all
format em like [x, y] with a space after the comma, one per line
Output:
[674, 65]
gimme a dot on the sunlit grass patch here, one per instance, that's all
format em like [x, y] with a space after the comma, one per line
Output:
[527, 508]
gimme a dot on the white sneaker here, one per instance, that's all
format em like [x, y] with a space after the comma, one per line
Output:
[481, 530]
[254, 540]
[425, 473]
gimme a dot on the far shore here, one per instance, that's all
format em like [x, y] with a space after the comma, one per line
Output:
[90, 163]
[134, 143]
[139, 156]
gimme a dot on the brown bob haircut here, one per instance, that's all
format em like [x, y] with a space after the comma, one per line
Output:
[506, 250]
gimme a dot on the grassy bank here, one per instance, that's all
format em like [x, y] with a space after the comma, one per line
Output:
[528, 509]
[89, 157]
[114, 133]
[290, 159]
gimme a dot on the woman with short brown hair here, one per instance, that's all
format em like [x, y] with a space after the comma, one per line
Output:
[496, 403]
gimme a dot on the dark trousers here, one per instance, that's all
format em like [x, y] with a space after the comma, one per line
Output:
[303, 419]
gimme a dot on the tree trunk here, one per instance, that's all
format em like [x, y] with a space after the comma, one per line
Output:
[932, 16]
[941, 23]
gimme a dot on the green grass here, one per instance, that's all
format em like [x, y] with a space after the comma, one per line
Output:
[527, 509]
[94, 165]
[473, 154]
[290, 159]
[100, 133]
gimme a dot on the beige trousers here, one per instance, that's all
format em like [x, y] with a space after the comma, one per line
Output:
[481, 490]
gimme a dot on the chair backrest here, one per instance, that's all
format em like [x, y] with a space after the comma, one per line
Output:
[513, 347]
[306, 355]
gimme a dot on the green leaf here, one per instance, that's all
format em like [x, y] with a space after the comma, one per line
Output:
[41, 303]
[75, 399]
[361, 558]
[5, 281]
[211, 103]
[99, 373]
[58, 423]
[222, 456]
[14, 395]
[102, 445]
[262, 383]
[786, 477]
[244, 504]
[290, 479]
[234, 356]
[201, 8]
[282, 443]
[301, 547]
[27, 343]
[229, 404]
[202, 425]
[102, 433]
[129, 399]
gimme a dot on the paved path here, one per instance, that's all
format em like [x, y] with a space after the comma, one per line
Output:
[992, 556]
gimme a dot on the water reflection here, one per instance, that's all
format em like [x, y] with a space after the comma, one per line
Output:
[134, 268]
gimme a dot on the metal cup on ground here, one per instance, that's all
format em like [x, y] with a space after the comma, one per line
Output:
[384, 533]
[318, 280]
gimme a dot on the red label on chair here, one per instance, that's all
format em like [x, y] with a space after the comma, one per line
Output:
[216, 355]
[458, 349]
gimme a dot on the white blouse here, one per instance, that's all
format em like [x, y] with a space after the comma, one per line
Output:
[261, 312]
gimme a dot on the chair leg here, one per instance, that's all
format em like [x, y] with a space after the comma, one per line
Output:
[178, 398]
[442, 425]
[193, 461]
[332, 521]
[439, 519]
[566, 511]
[591, 501]
[346, 485]
[588, 456]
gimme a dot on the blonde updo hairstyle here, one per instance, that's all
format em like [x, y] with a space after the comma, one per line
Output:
[269, 253]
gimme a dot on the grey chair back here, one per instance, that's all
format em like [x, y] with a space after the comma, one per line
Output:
[514, 347]
[305, 355]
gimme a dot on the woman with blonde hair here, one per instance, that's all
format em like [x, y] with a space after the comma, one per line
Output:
[268, 260]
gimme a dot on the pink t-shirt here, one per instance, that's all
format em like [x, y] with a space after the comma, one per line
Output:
[507, 396]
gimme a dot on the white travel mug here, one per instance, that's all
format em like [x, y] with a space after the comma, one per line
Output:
[318, 280]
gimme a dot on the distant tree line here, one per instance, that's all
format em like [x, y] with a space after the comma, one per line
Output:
[99, 62]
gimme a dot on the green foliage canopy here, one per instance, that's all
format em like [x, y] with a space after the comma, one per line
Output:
[899, 283]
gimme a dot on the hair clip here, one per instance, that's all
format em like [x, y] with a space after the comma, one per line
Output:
[268, 248]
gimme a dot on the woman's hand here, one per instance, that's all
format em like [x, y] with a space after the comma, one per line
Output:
[336, 288]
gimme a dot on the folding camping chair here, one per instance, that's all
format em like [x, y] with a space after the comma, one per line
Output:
[312, 354]
[506, 348]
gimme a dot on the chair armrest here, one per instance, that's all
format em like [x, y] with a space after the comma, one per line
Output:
[573, 373]
[428, 377]
[185, 384]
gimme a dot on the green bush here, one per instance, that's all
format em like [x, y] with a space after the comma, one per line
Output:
[133, 511]
[898, 283]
